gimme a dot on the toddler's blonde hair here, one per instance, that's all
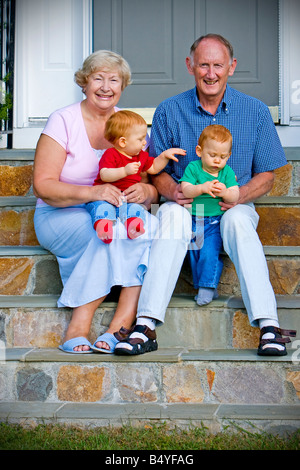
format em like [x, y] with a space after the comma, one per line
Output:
[120, 123]
[215, 132]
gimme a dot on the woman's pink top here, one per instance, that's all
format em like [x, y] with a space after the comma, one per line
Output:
[66, 127]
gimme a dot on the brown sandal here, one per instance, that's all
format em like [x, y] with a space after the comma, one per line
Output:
[138, 345]
[278, 332]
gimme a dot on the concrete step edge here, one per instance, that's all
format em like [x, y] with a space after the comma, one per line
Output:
[177, 301]
[26, 250]
[277, 200]
[162, 355]
[15, 155]
[15, 201]
[189, 411]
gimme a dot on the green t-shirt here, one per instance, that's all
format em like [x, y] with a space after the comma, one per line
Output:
[207, 205]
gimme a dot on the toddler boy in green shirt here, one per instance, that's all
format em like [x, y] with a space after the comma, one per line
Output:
[208, 181]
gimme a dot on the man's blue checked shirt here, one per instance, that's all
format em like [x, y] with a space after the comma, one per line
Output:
[179, 121]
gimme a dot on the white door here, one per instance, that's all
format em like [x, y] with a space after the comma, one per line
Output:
[51, 42]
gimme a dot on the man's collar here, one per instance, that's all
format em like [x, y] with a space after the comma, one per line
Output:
[224, 104]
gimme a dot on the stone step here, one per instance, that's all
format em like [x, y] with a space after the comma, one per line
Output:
[16, 155]
[284, 271]
[32, 270]
[16, 221]
[35, 321]
[279, 221]
[175, 386]
[16, 167]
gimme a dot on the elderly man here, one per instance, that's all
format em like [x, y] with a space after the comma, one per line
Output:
[256, 152]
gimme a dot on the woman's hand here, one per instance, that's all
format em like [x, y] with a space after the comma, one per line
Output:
[107, 192]
[136, 193]
[142, 193]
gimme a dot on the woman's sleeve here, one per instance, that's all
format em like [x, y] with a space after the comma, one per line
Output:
[56, 128]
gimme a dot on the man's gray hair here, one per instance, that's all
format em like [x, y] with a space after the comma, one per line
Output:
[217, 37]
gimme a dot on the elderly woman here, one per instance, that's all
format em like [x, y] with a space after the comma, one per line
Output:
[66, 164]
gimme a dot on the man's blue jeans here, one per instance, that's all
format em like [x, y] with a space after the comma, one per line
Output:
[204, 251]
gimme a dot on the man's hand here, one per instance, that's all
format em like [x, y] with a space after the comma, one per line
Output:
[258, 186]
[180, 198]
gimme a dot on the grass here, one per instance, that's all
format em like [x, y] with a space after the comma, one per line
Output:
[57, 437]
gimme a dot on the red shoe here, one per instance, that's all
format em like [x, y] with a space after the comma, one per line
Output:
[104, 229]
[134, 227]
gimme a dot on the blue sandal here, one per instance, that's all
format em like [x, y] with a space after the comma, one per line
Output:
[108, 338]
[69, 345]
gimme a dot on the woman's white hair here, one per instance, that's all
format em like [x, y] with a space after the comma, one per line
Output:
[100, 60]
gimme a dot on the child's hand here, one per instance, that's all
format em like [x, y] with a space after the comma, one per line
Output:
[132, 168]
[210, 187]
[170, 153]
[219, 189]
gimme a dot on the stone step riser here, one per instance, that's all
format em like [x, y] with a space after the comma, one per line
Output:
[17, 227]
[215, 418]
[218, 325]
[174, 378]
[278, 225]
[16, 178]
[284, 273]
[38, 274]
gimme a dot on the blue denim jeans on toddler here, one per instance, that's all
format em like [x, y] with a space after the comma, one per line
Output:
[105, 210]
[204, 251]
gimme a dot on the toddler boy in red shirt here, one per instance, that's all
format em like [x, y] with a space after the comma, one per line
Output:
[122, 166]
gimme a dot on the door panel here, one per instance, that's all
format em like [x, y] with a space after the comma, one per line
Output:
[49, 50]
[252, 28]
[155, 37]
[146, 33]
